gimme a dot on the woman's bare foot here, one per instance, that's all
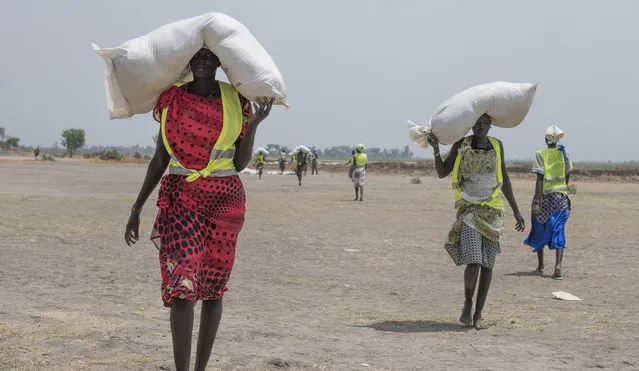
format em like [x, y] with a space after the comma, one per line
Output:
[479, 323]
[466, 317]
[557, 275]
[540, 269]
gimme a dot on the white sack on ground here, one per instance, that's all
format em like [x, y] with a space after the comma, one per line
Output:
[248, 171]
[506, 103]
[260, 150]
[139, 70]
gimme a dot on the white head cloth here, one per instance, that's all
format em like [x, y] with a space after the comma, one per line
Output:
[554, 134]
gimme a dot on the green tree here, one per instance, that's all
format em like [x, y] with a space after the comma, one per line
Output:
[155, 139]
[3, 133]
[13, 142]
[73, 139]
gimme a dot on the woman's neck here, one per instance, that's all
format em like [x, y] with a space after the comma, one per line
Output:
[203, 87]
[479, 142]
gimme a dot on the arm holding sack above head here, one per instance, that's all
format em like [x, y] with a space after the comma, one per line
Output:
[444, 167]
[507, 190]
[244, 149]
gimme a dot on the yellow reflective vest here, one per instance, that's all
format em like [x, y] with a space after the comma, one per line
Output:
[554, 170]
[221, 159]
[360, 160]
[496, 199]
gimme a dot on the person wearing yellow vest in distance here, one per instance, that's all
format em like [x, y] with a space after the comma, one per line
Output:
[550, 206]
[360, 164]
[282, 162]
[294, 162]
[480, 182]
[351, 165]
[207, 131]
[307, 159]
[259, 164]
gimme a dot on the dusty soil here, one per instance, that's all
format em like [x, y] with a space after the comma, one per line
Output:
[321, 282]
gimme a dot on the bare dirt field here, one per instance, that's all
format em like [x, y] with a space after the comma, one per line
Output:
[320, 282]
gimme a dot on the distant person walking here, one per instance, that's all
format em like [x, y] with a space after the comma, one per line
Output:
[314, 163]
[301, 165]
[36, 153]
[282, 162]
[294, 162]
[307, 159]
[351, 164]
[551, 205]
[480, 182]
[360, 164]
[260, 158]
[207, 131]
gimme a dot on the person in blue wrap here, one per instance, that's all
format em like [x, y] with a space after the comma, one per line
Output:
[551, 205]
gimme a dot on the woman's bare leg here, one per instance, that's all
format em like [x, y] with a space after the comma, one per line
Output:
[540, 260]
[470, 282]
[482, 292]
[181, 318]
[560, 256]
[209, 323]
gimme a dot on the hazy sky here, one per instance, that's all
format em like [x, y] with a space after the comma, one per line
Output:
[355, 70]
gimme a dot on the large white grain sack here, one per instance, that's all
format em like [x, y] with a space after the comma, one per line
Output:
[506, 103]
[302, 149]
[139, 70]
[260, 150]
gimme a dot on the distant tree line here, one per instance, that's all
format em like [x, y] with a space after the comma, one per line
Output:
[345, 151]
[7, 142]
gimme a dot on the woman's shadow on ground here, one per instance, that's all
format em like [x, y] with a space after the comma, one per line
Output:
[407, 327]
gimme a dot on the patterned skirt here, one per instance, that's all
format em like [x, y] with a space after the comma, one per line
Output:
[359, 176]
[549, 222]
[196, 232]
[473, 248]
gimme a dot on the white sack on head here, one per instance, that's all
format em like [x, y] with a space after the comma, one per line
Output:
[139, 70]
[260, 150]
[301, 148]
[506, 103]
[554, 134]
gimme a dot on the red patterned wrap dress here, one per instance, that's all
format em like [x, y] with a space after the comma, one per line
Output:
[198, 222]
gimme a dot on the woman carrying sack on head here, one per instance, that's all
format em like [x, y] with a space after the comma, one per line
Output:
[550, 206]
[282, 162]
[300, 165]
[480, 181]
[206, 136]
[360, 164]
